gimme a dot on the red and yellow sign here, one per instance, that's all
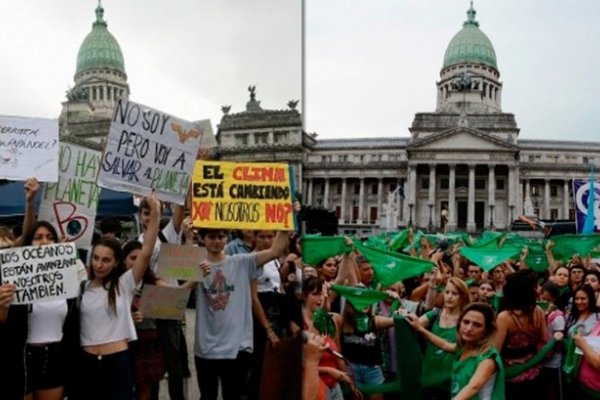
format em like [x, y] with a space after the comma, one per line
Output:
[242, 195]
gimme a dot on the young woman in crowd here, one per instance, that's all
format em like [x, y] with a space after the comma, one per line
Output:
[477, 369]
[332, 370]
[106, 322]
[584, 313]
[576, 275]
[592, 278]
[498, 278]
[51, 334]
[486, 292]
[521, 332]
[589, 369]
[561, 278]
[437, 364]
[146, 352]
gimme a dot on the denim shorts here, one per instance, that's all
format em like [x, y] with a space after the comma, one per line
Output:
[45, 367]
[366, 374]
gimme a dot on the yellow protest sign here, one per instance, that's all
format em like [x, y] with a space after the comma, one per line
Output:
[242, 195]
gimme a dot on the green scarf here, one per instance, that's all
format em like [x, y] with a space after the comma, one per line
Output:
[565, 246]
[323, 322]
[393, 267]
[360, 298]
[318, 248]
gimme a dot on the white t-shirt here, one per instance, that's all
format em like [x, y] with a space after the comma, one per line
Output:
[268, 278]
[45, 321]
[99, 325]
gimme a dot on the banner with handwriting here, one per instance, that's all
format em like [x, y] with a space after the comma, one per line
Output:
[242, 196]
[28, 148]
[70, 204]
[180, 262]
[149, 149]
[163, 302]
[41, 273]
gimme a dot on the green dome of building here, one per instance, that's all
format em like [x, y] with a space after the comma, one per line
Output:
[99, 48]
[470, 45]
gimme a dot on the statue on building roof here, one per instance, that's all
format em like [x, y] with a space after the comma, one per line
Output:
[252, 90]
[292, 104]
[463, 83]
[77, 93]
[225, 109]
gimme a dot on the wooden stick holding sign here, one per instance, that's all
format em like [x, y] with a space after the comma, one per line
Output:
[180, 262]
[242, 196]
[41, 273]
[164, 302]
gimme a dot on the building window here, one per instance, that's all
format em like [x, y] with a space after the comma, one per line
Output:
[261, 138]
[338, 188]
[535, 190]
[424, 183]
[553, 190]
[338, 212]
[445, 184]
[357, 188]
[499, 184]
[354, 213]
[241, 140]
[101, 93]
[479, 184]
[572, 214]
[530, 158]
[374, 188]
[462, 183]
[108, 92]
[373, 215]
[586, 160]
[554, 214]
[393, 186]
[280, 137]
[94, 93]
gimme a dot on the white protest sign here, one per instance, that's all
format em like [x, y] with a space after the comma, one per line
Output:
[28, 148]
[163, 302]
[41, 273]
[148, 149]
[180, 262]
[70, 204]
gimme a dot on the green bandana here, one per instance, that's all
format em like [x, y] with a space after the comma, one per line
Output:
[318, 248]
[399, 240]
[565, 246]
[361, 322]
[323, 322]
[489, 254]
[393, 267]
[360, 298]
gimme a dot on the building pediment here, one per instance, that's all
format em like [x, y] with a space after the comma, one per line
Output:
[462, 138]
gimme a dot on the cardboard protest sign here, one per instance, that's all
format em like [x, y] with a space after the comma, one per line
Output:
[180, 262]
[41, 273]
[28, 148]
[148, 149]
[581, 190]
[163, 302]
[242, 196]
[70, 204]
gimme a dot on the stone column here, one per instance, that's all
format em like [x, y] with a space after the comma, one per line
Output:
[304, 192]
[432, 187]
[492, 193]
[565, 199]
[343, 202]
[546, 199]
[471, 227]
[452, 198]
[379, 196]
[518, 191]
[512, 198]
[309, 200]
[326, 194]
[361, 201]
[413, 193]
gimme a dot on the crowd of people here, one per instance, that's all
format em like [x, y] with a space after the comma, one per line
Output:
[509, 332]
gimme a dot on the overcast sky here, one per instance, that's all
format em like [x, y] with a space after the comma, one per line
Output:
[183, 57]
[371, 65]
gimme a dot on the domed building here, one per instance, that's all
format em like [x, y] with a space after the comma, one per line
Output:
[100, 79]
[464, 161]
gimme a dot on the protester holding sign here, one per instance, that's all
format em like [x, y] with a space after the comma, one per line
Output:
[52, 334]
[106, 322]
[224, 340]
[13, 318]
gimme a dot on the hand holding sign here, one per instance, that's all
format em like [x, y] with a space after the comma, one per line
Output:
[31, 188]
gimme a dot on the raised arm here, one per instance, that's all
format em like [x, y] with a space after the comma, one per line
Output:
[419, 325]
[550, 257]
[31, 188]
[143, 259]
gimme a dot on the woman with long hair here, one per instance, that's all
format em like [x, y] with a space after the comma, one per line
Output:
[51, 327]
[106, 322]
[561, 278]
[437, 364]
[592, 278]
[332, 370]
[584, 313]
[522, 331]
